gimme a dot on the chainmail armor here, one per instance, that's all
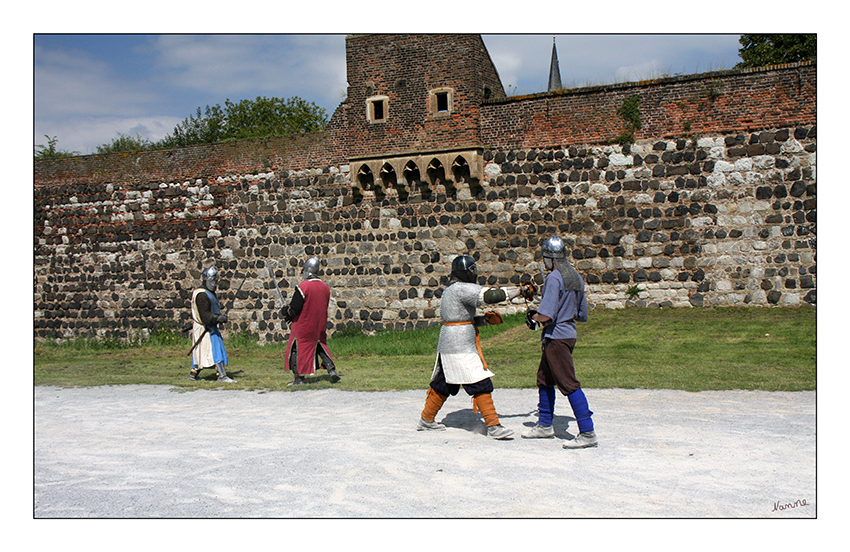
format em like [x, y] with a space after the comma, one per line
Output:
[572, 281]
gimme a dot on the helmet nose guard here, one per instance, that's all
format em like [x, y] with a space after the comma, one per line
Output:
[209, 277]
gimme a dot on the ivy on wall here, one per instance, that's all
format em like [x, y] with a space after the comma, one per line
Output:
[630, 113]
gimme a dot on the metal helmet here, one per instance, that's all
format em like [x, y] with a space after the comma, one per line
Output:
[464, 269]
[555, 258]
[311, 268]
[209, 278]
[554, 248]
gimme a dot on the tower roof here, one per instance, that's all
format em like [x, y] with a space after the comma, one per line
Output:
[554, 71]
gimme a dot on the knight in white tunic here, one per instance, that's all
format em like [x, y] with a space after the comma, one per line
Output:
[208, 351]
[460, 362]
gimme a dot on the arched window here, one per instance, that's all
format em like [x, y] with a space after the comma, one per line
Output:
[460, 169]
[388, 176]
[436, 171]
[365, 177]
[411, 173]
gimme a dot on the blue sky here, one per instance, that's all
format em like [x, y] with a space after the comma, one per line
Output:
[90, 88]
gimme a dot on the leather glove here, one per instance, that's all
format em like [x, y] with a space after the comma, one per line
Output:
[221, 318]
[532, 324]
[493, 317]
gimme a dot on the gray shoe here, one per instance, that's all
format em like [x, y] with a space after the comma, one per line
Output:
[539, 432]
[583, 440]
[425, 425]
[225, 379]
[499, 432]
[193, 376]
[334, 376]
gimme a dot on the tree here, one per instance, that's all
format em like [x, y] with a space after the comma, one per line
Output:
[247, 119]
[50, 152]
[235, 121]
[201, 128]
[773, 49]
[125, 142]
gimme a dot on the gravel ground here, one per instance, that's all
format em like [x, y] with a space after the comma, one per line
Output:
[152, 452]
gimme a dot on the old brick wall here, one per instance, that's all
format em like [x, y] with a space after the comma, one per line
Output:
[404, 68]
[721, 102]
[724, 214]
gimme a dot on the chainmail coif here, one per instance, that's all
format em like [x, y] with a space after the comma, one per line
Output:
[572, 281]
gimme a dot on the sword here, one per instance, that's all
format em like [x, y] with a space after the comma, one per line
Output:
[230, 306]
[532, 324]
[206, 328]
[542, 275]
[279, 294]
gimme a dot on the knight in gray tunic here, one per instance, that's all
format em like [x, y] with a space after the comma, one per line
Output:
[460, 361]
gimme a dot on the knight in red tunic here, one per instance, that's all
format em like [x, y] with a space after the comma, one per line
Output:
[307, 312]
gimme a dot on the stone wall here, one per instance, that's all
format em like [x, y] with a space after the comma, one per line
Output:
[690, 222]
[723, 216]
[718, 220]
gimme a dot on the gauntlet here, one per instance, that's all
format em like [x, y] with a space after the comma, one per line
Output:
[527, 290]
[532, 324]
[493, 317]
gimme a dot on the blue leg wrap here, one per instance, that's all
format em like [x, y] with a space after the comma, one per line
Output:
[546, 406]
[581, 411]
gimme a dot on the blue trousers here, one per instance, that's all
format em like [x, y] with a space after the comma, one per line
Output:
[578, 402]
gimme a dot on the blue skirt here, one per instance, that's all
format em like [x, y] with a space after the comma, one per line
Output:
[217, 345]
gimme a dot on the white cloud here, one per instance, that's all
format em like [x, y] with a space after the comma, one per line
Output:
[640, 71]
[71, 83]
[82, 103]
[84, 134]
[244, 66]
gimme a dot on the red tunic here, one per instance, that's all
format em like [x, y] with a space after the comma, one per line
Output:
[309, 328]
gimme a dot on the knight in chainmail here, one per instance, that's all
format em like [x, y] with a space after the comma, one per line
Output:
[460, 361]
[562, 305]
[208, 351]
[307, 313]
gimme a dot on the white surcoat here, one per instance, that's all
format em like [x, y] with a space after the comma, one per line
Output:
[202, 356]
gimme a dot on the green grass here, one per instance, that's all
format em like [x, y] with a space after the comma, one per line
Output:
[769, 349]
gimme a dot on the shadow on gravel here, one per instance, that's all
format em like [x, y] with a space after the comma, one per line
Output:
[469, 420]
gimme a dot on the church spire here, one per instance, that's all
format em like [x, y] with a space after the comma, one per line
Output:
[554, 71]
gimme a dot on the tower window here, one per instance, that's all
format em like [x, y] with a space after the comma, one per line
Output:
[441, 101]
[376, 109]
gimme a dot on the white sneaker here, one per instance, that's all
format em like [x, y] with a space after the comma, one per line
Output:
[539, 432]
[425, 425]
[499, 432]
[582, 440]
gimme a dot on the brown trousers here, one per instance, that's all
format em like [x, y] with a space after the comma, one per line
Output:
[556, 366]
